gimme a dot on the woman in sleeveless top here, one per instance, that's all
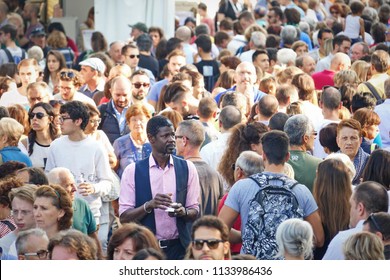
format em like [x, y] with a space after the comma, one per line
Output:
[43, 131]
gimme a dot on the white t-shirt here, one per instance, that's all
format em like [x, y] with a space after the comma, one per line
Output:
[88, 162]
[13, 97]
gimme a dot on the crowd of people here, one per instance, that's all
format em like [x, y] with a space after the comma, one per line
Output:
[259, 133]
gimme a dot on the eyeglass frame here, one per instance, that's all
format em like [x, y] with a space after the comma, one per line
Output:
[31, 115]
[37, 254]
[98, 121]
[138, 85]
[61, 119]
[196, 242]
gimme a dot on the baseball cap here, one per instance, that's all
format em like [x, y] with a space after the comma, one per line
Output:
[140, 26]
[38, 31]
[95, 63]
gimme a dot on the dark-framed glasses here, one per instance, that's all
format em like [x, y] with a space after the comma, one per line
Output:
[41, 254]
[211, 243]
[62, 119]
[138, 85]
[39, 115]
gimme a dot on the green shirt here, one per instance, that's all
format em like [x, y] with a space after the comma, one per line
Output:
[83, 219]
[305, 167]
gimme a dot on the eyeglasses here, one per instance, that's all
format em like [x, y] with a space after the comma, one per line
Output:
[133, 56]
[54, 103]
[62, 119]
[374, 221]
[138, 85]
[211, 243]
[39, 115]
[67, 75]
[16, 213]
[179, 136]
[42, 254]
[33, 99]
[95, 121]
[315, 133]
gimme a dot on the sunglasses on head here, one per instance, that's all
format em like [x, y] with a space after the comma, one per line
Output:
[67, 75]
[211, 243]
[133, 56]
[138, 85]
[39, 115]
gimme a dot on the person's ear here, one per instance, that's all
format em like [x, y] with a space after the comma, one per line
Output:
[226, 248]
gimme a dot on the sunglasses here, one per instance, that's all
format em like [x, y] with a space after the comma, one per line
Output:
[374, 221]
[39, 115]
[67, 75]
[133, 56]
[211, 243]
[138, 85]
[42, 254]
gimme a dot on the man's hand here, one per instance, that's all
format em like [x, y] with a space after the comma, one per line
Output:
[160, 201]
[180, 210]
[86, 189]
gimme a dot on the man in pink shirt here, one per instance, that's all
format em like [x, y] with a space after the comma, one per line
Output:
[340, 61]
[162, 191]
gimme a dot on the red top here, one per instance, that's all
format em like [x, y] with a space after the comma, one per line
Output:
[323, 78]
[234, 247]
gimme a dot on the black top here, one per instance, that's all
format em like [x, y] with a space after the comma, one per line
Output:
[150, 63]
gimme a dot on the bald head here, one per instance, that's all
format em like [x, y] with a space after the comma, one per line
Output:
[245, 76]
[268, 105]
[59, 175]
[340, 61]
[331, 98]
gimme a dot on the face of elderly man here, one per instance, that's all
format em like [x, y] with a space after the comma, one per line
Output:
[349, 140]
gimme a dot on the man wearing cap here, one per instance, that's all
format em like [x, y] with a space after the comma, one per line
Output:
[92, 71]
[38, 38]
[138, 29]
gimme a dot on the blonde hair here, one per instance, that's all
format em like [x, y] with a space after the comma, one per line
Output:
[13, 130]
[361, 69]
[363, 246]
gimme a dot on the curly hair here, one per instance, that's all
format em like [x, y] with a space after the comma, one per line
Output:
[243, 135]
[74, 240]
[6, 185]
[143, 238]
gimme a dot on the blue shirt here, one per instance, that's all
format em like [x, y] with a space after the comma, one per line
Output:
[258, 94]
[121, 117]
[14, 153]
[126, 152]
[155, 91]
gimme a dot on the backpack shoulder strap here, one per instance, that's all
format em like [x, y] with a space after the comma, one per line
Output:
[23, 54]
[373, 90]
[9, 55]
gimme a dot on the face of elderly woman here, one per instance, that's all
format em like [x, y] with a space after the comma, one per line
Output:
[349, 141]
[46, 215]
[137, 123]
[125, 251]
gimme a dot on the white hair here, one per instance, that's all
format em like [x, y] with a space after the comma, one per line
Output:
[285, 56]
[346, 160]
[295, 237]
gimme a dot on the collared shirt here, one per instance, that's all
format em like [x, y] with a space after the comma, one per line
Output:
[378, 82]
[120, 117]
[161, 181]
[383, 111]
[335, 248]
[90, 93]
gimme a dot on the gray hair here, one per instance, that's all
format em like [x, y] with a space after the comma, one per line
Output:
[289, 34]
[250, 162]
[21, 240]
[56, 174]
[371, 13]
[304, 27]
[295, 237]
[193, 130]
[285, 56]
[296, 127]
[258, 39]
